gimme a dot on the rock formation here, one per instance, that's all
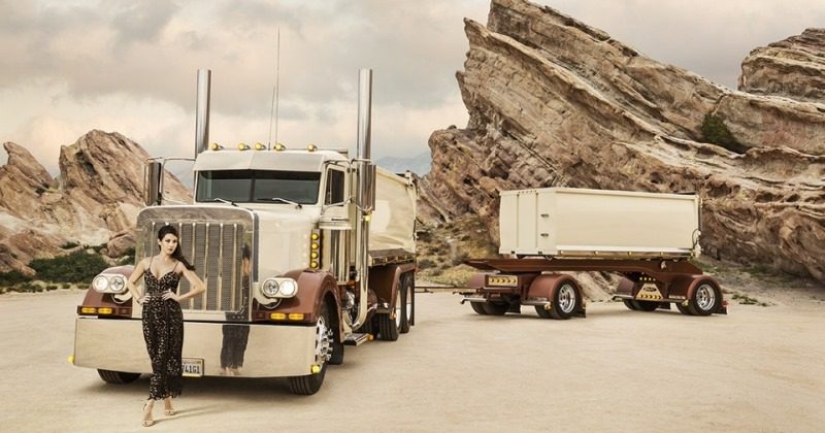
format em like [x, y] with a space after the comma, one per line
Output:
[95, 200]
[555, 102]
[792, 68]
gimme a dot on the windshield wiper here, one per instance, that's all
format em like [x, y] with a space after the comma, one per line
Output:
[218, 199]
[282, 200]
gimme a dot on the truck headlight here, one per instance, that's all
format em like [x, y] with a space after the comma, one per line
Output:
[109, 283]
[279, 287]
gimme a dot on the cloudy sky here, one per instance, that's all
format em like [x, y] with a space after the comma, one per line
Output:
[130, 66]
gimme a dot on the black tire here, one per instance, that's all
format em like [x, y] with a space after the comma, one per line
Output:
[495, 309]
[325, 343]
[631, 304]
[682, 309]
[388, 325]
[647, 305]
[705, 299]
[117, 377]
[406, 295]
[478, 307]
[566, 301]
[543, 312]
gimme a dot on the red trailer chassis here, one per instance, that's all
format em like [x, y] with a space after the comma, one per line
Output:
[507, 284]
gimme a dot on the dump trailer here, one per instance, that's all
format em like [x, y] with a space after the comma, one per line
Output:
[302, 251]
[646, 238]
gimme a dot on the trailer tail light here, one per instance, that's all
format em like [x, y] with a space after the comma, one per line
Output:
[502, 281]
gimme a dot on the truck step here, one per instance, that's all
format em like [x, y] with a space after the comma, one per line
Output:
[357, 339]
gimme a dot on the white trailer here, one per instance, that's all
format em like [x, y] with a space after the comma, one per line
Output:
[648, 238]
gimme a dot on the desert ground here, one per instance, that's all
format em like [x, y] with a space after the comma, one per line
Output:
[761, 368]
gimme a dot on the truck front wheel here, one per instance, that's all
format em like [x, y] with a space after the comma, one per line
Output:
[117, 377]
[324, 346]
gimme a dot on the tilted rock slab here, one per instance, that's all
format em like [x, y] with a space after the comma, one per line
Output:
[554, 102]
[794, 67]
[94, 201]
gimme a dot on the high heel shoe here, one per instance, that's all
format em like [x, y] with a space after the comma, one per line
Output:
[147, 414]
[167, 408]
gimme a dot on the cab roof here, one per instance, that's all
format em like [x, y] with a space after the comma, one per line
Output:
[285, 160]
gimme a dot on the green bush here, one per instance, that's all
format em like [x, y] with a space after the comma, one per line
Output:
[77, 267]
[128, 259]
[715, 131]
[12, 277]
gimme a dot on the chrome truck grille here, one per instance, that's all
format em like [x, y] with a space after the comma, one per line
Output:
[213, 239]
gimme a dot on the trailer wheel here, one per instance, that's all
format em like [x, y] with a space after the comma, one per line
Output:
[324, 345]
[706, 299]
[543, 312]
[117, 377]
[565, 301]
[478, 307]
[647, 305]
[682, 309]
[630, 304]
[495, 309]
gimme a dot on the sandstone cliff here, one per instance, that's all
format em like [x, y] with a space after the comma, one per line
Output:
[555, 102]
[792, 67]
[94, 201]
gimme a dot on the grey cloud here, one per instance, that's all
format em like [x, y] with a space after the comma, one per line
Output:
[136, 22]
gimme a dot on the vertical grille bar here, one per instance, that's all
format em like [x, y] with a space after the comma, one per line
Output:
[215, 251]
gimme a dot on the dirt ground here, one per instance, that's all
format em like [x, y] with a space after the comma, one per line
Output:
[757, 369]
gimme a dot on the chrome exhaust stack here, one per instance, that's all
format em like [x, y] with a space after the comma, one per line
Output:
[365, 193]
[202, 111]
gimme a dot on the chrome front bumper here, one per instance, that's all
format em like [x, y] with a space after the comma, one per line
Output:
[271, 351]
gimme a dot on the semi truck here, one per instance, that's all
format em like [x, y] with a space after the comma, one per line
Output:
[648, 239]
[302, 251]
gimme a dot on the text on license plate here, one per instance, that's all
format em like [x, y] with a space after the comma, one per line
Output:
[192, 367]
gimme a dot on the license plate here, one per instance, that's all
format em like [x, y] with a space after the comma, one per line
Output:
[192, 367]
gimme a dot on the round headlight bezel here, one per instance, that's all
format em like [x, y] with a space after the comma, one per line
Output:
[100, 283]
[288, 288]
[278, 288]
[270, 288]
[109, 283]
[117, 284]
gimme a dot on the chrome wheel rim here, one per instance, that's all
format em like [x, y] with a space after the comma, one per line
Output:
[705, 297]
[567, 298]
[398, 307]
[323, 342]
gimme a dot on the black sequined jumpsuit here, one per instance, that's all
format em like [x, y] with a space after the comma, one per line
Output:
[163, 332]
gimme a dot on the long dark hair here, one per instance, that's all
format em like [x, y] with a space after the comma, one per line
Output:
[177, 254]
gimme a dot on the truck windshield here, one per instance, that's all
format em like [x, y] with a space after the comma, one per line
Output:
[258, 185]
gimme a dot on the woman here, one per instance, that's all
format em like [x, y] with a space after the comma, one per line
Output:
[162, 317]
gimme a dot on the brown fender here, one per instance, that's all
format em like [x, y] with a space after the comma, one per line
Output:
[546, 285]
[625, 287]
[682, 286]
[476, 281]
[313, 287]
[384, 280]
[96, 299]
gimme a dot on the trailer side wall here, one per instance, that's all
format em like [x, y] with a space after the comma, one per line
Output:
[570, 222]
